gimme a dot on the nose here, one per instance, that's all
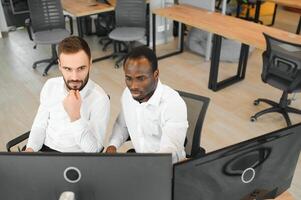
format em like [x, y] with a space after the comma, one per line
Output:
[74, 75]
[134, 85]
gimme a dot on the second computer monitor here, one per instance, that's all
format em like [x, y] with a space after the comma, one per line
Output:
[260, 168]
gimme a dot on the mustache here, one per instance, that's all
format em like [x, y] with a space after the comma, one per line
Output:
[135, 90]
[74, 81]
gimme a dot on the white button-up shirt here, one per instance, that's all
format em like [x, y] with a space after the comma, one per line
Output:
[52, 125]
[156, 126]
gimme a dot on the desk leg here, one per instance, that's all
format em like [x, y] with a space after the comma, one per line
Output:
[215, 57]
[257, 11]
[213, 83]
[79, 27]
[154, 32]
[299, 26]
[147, 25]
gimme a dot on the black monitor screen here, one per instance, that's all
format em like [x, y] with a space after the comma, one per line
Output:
[36, 176]
[259, 168]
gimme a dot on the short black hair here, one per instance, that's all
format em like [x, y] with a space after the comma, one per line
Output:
[143, 52]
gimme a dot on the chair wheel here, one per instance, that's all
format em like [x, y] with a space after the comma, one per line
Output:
[45, 74]
[256, 102]
[253, 119]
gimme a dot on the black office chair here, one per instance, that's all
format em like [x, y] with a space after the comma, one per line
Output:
[282, 70]
[47, 26]
[104, 24]
[18, 142]
[130, 18]
[196, 110]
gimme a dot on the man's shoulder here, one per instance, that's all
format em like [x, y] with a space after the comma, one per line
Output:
[53, 83]
[97, 89]
[169, 94]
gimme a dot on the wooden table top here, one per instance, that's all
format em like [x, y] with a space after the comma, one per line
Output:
[81, 8]
[230, 27]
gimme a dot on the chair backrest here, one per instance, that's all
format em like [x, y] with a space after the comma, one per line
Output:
[46, 15]
[130, 13]
[282, 60]
[196, 110]
[206, 4]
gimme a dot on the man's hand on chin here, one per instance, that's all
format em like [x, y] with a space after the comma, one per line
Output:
[72, 104]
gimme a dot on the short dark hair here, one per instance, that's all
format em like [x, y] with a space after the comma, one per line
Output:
[74, 44]
[143, 52]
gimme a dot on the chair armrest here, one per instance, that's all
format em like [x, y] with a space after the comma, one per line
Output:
[70, 23]
[16, 141]
[295, 83]
[28, 27]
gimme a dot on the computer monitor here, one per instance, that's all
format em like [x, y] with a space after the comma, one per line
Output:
[37, 176]
[259, 168]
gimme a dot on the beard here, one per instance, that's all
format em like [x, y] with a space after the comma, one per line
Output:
[76, 84]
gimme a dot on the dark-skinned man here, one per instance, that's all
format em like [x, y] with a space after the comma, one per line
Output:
[153, 114]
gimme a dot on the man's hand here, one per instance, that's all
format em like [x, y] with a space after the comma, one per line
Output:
[111, 149]
[28, 150]
[72, 104]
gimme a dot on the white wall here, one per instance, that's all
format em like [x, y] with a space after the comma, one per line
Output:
[3, 25]
[161, 36]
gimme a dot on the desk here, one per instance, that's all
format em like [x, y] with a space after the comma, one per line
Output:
[81, 8]
[248, 33]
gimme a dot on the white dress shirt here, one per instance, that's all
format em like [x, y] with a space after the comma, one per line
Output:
[52, 125]
[156, 126]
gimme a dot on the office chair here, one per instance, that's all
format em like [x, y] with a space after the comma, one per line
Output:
[17, 142]
[47, 26]
[282, 70]
[196, 110]
[104, 24]
[130, 18]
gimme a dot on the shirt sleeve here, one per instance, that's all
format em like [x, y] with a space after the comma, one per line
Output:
[174, 129]
[120, 132]
[90, 133]
[38, 129]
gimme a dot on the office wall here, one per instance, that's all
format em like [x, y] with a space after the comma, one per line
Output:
[3, 26]
[163, 26]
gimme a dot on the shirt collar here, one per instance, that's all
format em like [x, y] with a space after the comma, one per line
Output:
[156, 97]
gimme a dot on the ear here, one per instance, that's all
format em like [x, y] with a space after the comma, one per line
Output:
[59, 64]
[90, 63]
[156, 74]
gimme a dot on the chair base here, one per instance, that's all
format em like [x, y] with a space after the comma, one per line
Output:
[51, 61]
[282, 107]
[120, 53]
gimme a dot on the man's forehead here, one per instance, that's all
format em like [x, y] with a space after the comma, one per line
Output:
[138, 64]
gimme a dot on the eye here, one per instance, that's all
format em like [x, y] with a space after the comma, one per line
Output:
[81, 68]
[67, 69]
[141, 78]
[128, 78]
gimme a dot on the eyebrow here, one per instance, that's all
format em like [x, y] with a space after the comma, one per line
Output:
[76, 68]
